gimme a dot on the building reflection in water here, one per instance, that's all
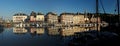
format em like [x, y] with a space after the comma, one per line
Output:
[69, 31]
[1, 30]
[32, 31]
[37, 30]
[19, 30]
[54, 31]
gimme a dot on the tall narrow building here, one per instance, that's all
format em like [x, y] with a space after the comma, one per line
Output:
[33, 17]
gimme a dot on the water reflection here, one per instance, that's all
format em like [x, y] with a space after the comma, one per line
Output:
[37, 30]
[32, 31]
[19, 30]
[1, 29]
[53, 31]
[52, 36]
[69, 31]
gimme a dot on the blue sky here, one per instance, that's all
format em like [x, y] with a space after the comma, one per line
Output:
[9, 7]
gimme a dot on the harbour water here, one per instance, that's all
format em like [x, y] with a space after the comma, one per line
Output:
[31, 36]
[9, 37]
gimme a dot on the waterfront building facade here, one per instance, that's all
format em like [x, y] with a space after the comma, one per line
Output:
[78, 18]
[33, 17]
[52, 17]
[40, 17]
[66, 18]
[19, 17]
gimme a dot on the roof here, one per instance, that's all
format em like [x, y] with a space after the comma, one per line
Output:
[51, 13]
[20, 14]
[33, 13]
[39, 13]
[79, 13]
[71, 14]
[67, 14]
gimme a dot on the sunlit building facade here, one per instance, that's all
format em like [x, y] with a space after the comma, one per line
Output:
[78, 18]
[52, 17]
[40, 17]
[19, 17]
[66, 18]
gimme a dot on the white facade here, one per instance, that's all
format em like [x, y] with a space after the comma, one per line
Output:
[19, 18]
[40, 18]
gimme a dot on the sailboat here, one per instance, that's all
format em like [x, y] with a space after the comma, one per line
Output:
[95, 38]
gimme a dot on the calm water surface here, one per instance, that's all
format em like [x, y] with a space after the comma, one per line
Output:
[53, 36]
[30, 37]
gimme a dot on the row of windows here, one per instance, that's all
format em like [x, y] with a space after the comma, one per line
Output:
[19, 17]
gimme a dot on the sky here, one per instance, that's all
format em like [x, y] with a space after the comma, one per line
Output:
[10, 7]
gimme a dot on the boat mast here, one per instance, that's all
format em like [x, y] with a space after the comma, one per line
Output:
[118, 10]
[97, 12]
[97, 7]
